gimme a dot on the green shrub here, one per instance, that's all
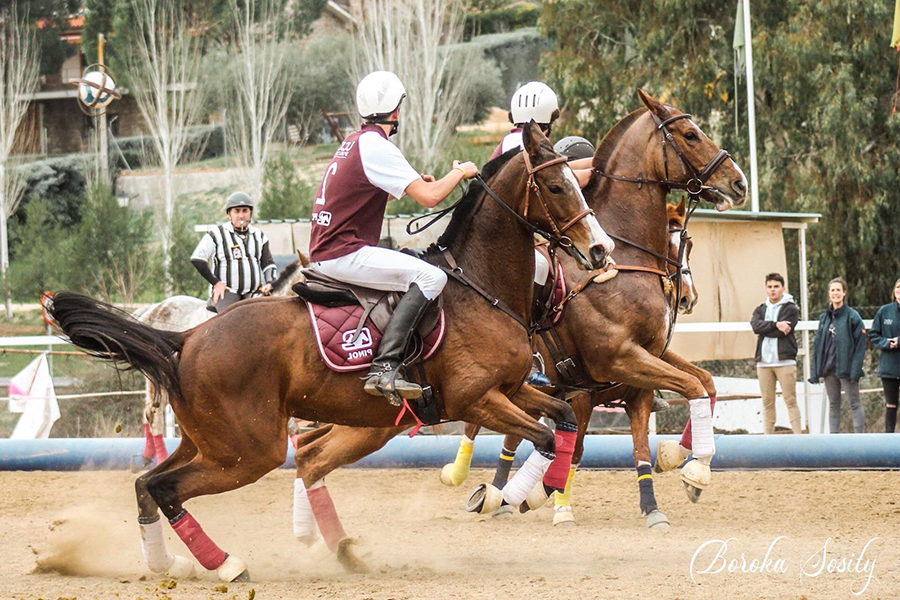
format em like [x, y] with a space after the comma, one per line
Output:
[285, 195]
[41, 264]
[185, 278]
[501, 20]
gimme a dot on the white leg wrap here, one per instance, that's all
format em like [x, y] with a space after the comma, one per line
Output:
[305, 528]
[153, 546]
[702, 441]
[531, 474]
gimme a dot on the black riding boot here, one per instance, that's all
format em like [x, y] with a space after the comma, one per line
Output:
[384, 377]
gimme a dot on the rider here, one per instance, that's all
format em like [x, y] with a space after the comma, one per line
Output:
[536, 101]
[242, 263]
[368, 170]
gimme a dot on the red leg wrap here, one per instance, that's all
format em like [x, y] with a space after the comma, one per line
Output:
[149, 451]
[686, 436]
[558, 472]
[161, 452]
[326, 516]
[204, 549]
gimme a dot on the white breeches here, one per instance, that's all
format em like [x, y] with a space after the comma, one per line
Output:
[383, 269]
[541, 268]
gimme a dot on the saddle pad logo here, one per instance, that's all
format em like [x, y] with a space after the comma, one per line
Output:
[362, 342]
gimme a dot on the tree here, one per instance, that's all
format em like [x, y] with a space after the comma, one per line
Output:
[19, 59]
[262, 85]
[412, 38]
[823, 92]
[163, 66]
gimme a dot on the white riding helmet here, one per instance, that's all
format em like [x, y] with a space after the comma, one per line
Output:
[536, 101]
[379, 93]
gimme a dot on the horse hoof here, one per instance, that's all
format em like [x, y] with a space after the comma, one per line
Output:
[696, 477]
[504, 513]
[693, 493]
[447, 476]
[564, 516]
[348, 559]
[535, 499]
[308, 540]
[658, 522]
[181, 568]
[484, 499]
[233, 569]
[668, 456]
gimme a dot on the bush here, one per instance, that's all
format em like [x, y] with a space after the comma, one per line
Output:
[285, 196]
[41, 261]
[204, 142]
[185, 278]
[502, 20]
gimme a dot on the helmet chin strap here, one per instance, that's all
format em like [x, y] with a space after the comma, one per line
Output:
[395, 125]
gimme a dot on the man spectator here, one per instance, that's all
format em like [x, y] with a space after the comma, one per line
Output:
[774, 322]
[242, 263]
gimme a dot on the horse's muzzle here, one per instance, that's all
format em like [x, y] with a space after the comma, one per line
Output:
[599, 257]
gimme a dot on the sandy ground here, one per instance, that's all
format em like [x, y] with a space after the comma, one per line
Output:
[420, 544]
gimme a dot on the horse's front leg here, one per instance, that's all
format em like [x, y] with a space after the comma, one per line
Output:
[639, 417]
[455, 473]
[583, 405]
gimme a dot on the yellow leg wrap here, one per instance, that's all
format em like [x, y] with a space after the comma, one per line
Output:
[565, 499]
[460, 470]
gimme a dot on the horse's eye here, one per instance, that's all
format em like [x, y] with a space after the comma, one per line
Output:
[691, 136]
[554, 189]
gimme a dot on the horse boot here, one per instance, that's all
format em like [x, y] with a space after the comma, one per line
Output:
[384, 378]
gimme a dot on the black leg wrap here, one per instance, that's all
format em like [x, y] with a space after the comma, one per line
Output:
[148, 520]
[645, 483]
[501, 475]
[562, 426]
[547, 455]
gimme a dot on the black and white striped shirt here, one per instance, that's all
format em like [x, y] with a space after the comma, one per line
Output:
[242, 261]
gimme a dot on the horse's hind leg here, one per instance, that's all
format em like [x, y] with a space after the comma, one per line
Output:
[639, 416]
[453, 474]
[153, 544]
[204, 475]
[315, 459]
[583, 406]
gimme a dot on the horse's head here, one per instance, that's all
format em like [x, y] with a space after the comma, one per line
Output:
[554, 202]
[689, 294]
[689, 157]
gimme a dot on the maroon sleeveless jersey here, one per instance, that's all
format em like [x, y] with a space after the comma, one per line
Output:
[348, 209]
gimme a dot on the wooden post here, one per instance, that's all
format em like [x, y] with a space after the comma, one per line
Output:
[104, 143]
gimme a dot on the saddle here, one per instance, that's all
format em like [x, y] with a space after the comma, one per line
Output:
[550, 295]
[348, 321]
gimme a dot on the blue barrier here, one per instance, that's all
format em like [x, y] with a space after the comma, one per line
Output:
[812, 452]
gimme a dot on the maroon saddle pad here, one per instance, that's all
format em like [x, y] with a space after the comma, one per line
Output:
[335, 329]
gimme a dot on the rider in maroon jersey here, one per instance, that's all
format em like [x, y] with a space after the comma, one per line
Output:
[368, 170]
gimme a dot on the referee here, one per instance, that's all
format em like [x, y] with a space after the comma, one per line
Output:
[241, 260]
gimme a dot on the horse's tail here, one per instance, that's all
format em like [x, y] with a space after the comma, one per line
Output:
[112, 334]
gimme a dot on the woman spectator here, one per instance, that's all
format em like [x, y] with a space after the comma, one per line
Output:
[838, 356]
[884, 333]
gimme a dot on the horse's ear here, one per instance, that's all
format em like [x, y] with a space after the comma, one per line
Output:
[302, 259]
[681, 208]
[529, 142]
[656, 107]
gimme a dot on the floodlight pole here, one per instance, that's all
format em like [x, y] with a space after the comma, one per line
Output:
[104, 143]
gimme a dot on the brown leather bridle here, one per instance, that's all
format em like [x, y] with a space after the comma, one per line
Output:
[558, 230]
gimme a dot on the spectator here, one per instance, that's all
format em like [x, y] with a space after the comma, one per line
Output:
[838, 356]
[884, 333]
[774, 322]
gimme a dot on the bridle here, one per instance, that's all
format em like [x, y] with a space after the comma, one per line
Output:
[556, 238]
[694, 186]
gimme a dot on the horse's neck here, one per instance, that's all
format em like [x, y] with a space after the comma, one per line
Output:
[638, 215]
[497, 252]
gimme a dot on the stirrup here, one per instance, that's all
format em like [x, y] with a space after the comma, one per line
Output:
[385, 383]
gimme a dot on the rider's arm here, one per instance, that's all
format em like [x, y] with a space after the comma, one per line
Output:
[430, 194]
[583, 176]
[200, 258]
[581, 163]
[270, 271]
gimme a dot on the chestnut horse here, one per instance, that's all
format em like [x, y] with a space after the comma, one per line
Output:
[235, 380]
[618, 331]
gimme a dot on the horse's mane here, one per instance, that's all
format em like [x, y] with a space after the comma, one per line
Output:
[285, 277]
[611, 139]
[459, 222]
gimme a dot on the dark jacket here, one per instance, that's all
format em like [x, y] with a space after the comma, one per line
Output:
[886, 325]
[787, 344]
[850, 344]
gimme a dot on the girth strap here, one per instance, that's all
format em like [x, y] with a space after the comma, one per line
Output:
[457, 273]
